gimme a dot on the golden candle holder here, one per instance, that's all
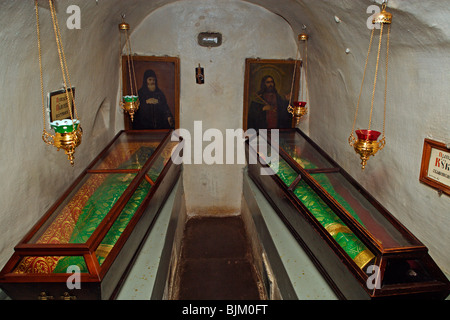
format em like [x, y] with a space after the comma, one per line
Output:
[130, 105]
[298, 111]
[68, 132]
[67, 136]
[366, 145]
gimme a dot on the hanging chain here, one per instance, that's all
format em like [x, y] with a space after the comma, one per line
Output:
[62, 59]
[352, 138]
[40, 65]
[376, 76]
[132, 66]
[293, 75]
[127, 44]
[130, 63]
[304, 87]
[383, 139]
[66, 70]
[120, 62]
[46, 136]
[306, 72]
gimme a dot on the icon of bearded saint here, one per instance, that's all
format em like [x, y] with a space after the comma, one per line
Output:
[268, 109]
[154, 112]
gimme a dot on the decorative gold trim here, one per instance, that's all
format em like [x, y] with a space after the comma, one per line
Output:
[103, 250]
[124, 26]
[334, 228]
[68, 141]
[130, 107]
[383, 16]
[303, 37]
[366, 149]
[363, 258]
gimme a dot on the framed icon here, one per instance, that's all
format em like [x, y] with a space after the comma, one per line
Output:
[269, 87]
[158, 87]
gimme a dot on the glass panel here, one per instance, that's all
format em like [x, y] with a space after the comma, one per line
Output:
[351, 244]
[405, 271]
[122, 221]
[130, 151]
[260, 149]
[284, 171]
[133, 204]
[83, 210]
[362, 210]
[48, 264]
[302, 151]
[162, 160]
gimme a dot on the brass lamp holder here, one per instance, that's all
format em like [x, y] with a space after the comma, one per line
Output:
[367, 144]
[297, 111]
[67, 137]
[68, 132]
[130, 103]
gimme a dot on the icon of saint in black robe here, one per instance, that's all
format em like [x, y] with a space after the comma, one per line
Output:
[154, 112]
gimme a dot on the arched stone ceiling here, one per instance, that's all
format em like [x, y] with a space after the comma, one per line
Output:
[297, 12]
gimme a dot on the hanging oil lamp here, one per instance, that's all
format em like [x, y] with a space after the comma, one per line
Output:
[298, 109]
[67, 132]
[129, 103]
[366, 143]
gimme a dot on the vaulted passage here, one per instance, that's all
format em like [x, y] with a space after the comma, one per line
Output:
[219, 259]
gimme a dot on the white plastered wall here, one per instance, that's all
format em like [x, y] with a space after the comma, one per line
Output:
[33, 174]
[417, 104]
[248, 31]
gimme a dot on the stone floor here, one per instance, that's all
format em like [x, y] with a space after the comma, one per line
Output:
[216, 261]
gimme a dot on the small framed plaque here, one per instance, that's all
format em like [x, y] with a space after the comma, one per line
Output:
[209, 39]
[435, 168]
[58, 106]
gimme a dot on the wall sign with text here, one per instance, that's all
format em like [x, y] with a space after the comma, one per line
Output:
[58, 105]
[435, 169]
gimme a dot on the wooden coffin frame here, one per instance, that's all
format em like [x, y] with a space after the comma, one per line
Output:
[346, 279]
[101, 282]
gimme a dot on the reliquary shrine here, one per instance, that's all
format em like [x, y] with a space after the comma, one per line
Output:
[360, 248]
[98, 224]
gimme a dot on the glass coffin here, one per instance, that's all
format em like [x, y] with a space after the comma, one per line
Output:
[359, 247]
[93, 231]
